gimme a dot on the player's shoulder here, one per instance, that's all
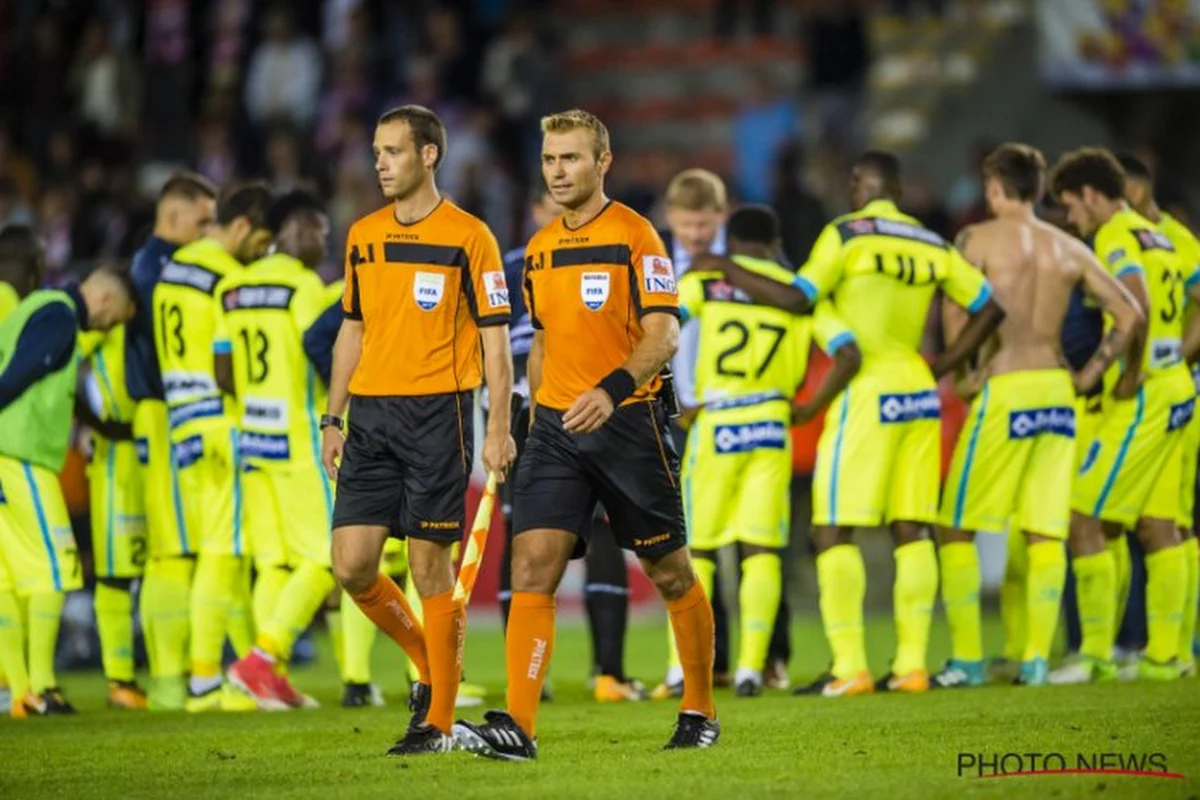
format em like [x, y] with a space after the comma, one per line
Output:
[462, 223]
[371, 224]
[634, 223]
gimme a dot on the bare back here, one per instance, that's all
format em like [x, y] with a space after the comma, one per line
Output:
[1033, 268]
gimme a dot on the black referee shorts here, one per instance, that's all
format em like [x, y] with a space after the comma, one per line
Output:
[630, 465]
[407, 464]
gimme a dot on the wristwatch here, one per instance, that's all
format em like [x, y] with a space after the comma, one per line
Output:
[330, 421]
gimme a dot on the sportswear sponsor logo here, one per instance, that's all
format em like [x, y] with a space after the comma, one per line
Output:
[1116, 256]
[909, 407]
[593, 288]
[428, 288]
[752, 436]
[496, 288]
[866, 226]
[143, 450]
[187, 452]
[439, 525]
[653, 540]
[1036, 421]
[199, 409]
[719, 291]
[1153, 240]
[182, 386]
[190, 275]
[659, 275]
[1089, 459]
[265, 413]
[247, 297]
[397, 609]
[536, 659]
[1181, 414]
[272, 447]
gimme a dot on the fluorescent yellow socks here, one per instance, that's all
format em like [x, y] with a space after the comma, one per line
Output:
[1012, 597]
[114, 622]
[306, 589]
[358, 637]
[1166, 574]
[45, 613]
[217, 588]
[166, 602]
[1096, 594]
[1119, 548]
[706, 571]
[12, 645]
[268, 584]
[842, 580]
[1043, 597]
[241, 627]
[758, 603]
[1187, 628]
[913, 598]
[960, 597]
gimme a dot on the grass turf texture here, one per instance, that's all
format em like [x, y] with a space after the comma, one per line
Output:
[772, 746]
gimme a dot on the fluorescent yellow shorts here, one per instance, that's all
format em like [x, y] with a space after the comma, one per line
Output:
[737, 469]
[289, 509]
[166, 524]
[1088, 412]
[1015, 457]
[1132, 468]
[395, 557]
[37, 547]
[118, 509]
[210, 485]
[879, 456]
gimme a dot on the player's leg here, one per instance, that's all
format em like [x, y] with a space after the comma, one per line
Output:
[12, 617]
[606, 598]
[1012, 606]
[854, 457]
[308, 496]
[779, 650]
[1191, 553]
[912, 511]
[165, 596]
[760, 519]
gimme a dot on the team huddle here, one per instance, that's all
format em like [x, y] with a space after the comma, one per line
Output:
[264, 442]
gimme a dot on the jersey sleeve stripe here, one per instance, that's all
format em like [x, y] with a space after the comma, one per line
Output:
[1129, 269]
[985, 294]
[614, 254]
[1193, 278]
[839, 341]
[222, 347]
[808, 287]
[672, 310]
[494, 319]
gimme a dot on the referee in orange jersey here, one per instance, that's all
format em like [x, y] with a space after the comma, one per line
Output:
[601, 295]
[424, 289]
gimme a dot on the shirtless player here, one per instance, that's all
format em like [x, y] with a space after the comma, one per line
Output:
[1014, 463]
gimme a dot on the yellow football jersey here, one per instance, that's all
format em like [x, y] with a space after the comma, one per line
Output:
[265, 311]
[881, 268]
[185, 323]
[1186, 245]
[1130, 243]
[9, 299]
[747, 349]
[106, 352]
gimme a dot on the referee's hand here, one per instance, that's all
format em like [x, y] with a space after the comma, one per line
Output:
[499, 452]
[332, 444]
[589, 412]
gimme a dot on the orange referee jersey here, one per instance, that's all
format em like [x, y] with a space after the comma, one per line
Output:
[588, 289]
[422, 291]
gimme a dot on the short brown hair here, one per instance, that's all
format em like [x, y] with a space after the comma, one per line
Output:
[697, 190]
[188, 185]
[426, 126]
[574, 119]
[251, 200]
[1021, 170]
[1088, 166]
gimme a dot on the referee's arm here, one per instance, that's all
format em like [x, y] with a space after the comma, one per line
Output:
[498, 449]
[346, 352]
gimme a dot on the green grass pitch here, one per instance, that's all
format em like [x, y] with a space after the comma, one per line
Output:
[879, 747]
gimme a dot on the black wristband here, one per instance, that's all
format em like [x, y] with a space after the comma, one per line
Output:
[330, 421]
[619, 384]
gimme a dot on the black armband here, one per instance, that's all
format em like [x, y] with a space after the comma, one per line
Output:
[619, 384]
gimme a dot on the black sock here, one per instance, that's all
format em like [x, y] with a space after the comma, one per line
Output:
[504, 594]
[720, 627]
[606, 595]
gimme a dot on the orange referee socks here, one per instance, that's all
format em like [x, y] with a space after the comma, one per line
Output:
[385, 605]
[692, 621]
[527, 648]
[445, 631]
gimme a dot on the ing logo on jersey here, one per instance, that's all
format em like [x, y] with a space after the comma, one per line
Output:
[659, 275]
[1181, 414]
[909, 407]
[428, 288]
[1035, 421]
[593, 289]
[496, 288]
[751, 436]
[1153, 240]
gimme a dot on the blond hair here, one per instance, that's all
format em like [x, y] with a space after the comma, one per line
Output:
[576, 119]
[697, 190]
